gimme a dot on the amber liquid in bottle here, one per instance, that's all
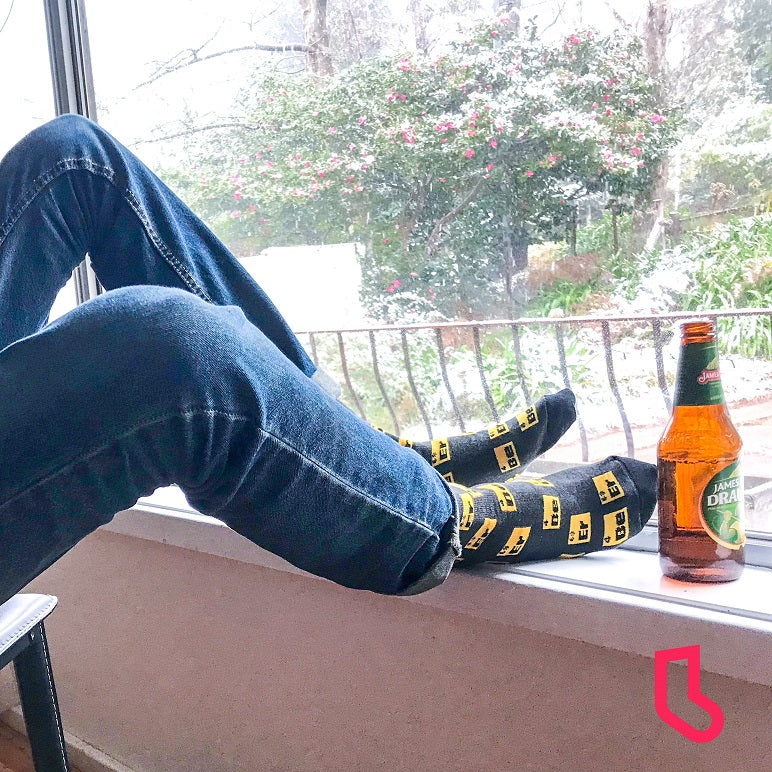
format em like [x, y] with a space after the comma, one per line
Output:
[700, 483]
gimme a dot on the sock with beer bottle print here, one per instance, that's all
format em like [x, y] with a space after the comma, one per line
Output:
[566, 514]
[503, 449]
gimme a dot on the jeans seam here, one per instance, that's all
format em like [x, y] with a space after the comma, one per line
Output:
[174, 262]
[142, 424]
[86, 164]
[238, 416]
[345, 484]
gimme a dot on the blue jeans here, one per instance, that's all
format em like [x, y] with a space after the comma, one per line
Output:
[182, 372]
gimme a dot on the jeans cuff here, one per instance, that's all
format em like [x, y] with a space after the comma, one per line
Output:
[438, 571]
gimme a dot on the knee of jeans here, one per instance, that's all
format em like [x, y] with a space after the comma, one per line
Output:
[67, 136]
[173, 326]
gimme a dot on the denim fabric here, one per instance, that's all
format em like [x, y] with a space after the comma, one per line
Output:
[182, 372]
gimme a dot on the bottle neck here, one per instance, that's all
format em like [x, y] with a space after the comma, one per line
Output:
[699, 379]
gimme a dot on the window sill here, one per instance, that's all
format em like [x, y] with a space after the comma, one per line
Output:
[616, 599]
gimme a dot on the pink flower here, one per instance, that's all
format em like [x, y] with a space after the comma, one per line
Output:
[529, 173]
[386, 241]
[332, 130]
[552, 159]
[608, 112]
[397, 283]
[595, 105]
[490, 166]
[235, 213]
[469, 153]
[606, 98]
[655, 118]
[442, 179]
[471, 132]
[252, 207]
[237, 196]
[414, 274]
[362, 120]
[389, 289]
[493, 144]
[635, 150]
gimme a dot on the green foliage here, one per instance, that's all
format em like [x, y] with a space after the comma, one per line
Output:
[730, 261]
[730, 162]
[733, 269]
[436, 166]
[562, 294]
[598, 236]
[755, 43]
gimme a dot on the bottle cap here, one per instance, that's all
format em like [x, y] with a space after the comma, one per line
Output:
[702, 321]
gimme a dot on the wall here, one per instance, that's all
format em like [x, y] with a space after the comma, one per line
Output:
[169, 659]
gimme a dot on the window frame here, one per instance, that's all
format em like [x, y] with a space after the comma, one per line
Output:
[73, 89]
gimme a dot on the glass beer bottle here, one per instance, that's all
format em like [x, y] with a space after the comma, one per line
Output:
[701, 536]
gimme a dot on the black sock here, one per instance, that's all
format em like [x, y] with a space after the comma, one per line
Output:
[503, 449]
[565, 514]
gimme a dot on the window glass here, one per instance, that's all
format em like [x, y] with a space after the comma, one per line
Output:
[25, 90]
[418, 162]
[25, 87]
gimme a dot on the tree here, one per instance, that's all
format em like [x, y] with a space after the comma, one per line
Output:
[317, 37]
[445, 168]
[754, 30]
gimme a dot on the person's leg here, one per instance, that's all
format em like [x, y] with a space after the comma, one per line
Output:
[503, 449]
[147, 386]
[68, 188]
[569, 513]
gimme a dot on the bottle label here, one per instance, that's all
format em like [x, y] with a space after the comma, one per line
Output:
[722, 507]
[699, 379]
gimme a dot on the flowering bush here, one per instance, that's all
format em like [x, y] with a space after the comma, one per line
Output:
[444, 169]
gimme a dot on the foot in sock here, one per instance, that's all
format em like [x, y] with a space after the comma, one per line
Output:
[566, 514]
[503, 449]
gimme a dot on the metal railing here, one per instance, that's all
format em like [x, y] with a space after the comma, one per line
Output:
[368, 389]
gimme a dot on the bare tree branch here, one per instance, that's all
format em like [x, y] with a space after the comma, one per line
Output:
[557, 17]
[195, 130]
[194, 58]
[434, 238]
[621, 21]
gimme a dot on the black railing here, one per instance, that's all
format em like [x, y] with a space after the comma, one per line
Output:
[387, 376]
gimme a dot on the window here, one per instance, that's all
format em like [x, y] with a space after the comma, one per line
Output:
[583, 172]
[25, 89]
[27, 95]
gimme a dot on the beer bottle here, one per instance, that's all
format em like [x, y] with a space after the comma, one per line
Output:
[701, 536]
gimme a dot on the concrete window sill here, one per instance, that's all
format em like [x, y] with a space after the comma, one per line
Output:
[616, 599]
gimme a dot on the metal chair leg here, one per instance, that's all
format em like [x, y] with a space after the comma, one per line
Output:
[39, 704]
